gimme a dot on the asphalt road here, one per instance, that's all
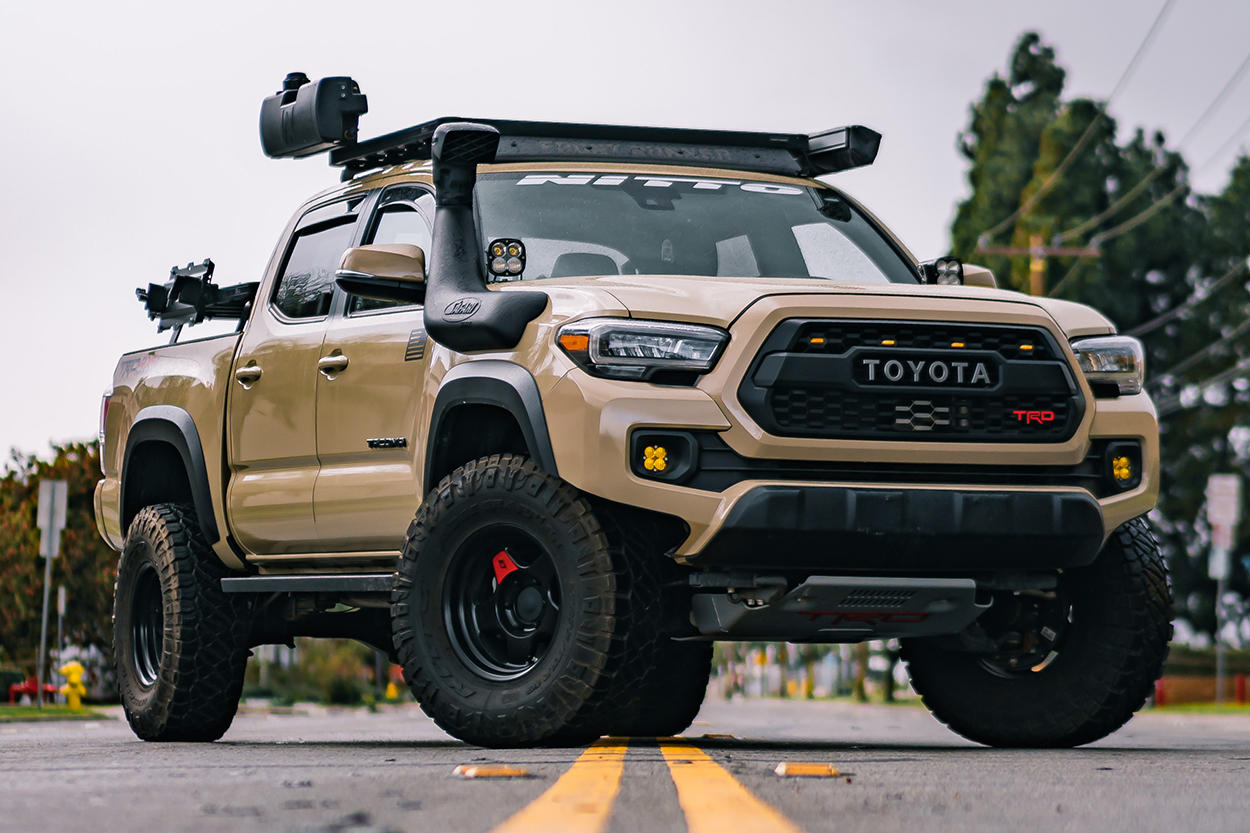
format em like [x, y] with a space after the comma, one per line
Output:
[393, 771]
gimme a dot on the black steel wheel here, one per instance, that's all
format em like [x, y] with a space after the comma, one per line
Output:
[504, 606]
[1057, 668]
[502, 602]
[179, 642]
[147, 625]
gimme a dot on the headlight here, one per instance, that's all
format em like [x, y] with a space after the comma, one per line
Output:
[621, 348]
[1112, 360]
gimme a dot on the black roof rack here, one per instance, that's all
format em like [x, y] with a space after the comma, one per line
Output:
[790, 154]
[309, 117]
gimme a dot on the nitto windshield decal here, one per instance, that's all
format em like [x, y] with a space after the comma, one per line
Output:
[657, 181]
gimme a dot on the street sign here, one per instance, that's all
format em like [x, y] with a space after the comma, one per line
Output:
[1223, 513]
[1223, 510]
[51, 516]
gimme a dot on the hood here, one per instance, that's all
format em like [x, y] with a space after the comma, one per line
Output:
[719, 301]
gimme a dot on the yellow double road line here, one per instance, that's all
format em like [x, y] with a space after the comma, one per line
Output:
[581, 800]
[711, 798]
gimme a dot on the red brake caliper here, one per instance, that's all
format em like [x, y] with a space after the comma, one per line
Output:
[504, 565]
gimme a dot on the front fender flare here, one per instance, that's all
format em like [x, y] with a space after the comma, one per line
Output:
[492, 382]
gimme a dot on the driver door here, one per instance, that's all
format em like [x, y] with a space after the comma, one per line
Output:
[368, 487]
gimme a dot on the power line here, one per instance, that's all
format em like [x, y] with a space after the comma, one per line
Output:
[1085, 137]
[1232, 139]
[1111, 209]
[1190, 303]
[1137, 189]
[1191, 360]
[1137, 220]
[1172, 404]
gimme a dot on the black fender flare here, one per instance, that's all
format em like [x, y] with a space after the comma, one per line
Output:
[173, 425]
[492, 382]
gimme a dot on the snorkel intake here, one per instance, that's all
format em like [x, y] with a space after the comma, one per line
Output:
[460, 312]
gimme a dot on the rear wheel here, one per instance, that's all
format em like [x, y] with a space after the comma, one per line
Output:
[1070, 665]
[179, 642]
[504, 607]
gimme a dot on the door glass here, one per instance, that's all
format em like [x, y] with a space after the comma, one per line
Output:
[307, 282]
[398, 221]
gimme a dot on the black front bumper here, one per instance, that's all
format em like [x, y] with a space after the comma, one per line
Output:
[835, 528]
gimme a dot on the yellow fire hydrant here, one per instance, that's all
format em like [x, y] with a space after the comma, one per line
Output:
[73, 688]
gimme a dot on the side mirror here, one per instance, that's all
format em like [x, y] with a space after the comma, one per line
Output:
[385, 272]
[979, 276]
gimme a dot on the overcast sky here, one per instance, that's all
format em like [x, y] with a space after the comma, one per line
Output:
[129, 138]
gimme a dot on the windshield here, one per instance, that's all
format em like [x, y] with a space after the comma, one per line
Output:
[582, 224]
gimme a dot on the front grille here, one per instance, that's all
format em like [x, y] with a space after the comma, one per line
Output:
[912, 381]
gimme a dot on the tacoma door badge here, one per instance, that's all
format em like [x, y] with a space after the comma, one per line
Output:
[388, 442]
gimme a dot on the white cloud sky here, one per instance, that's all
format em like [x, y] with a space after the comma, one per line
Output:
[129, 138]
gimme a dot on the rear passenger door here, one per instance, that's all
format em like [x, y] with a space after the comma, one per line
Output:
[367, 490]
[271, 419]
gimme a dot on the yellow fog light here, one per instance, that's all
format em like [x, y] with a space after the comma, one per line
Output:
[655, 458]
[1122, 469]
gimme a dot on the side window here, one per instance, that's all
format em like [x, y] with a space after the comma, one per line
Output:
[400, 218]
[307, 282]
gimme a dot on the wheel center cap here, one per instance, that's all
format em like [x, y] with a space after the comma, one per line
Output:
[529, 605]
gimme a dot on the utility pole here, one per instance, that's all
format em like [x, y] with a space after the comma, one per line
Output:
[1223, 514]
[51, 522]
[1037, 252]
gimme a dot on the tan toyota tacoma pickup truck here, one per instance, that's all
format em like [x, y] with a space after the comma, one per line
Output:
[542, 410]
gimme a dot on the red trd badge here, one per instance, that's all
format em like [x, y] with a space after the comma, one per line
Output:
[504, 566]
[1034, 417]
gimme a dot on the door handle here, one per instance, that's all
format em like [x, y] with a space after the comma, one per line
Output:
[247, 376]
[330, 365]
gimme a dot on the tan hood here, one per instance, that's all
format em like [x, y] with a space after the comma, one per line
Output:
[720, 301]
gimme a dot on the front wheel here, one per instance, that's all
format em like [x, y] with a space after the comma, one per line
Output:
[504, 606]
[1075, 663]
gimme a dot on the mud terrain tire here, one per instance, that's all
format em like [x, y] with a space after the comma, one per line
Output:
[513, 657]
[179, 642]
[1106, 663]
[657, 683]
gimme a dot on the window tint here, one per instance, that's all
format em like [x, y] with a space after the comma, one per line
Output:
[307, 282]
[398, 221]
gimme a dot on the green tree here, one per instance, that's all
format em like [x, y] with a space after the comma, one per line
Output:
[1002, 143]
[87, 567]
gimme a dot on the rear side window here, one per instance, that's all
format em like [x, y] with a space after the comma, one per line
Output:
[307, 283]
